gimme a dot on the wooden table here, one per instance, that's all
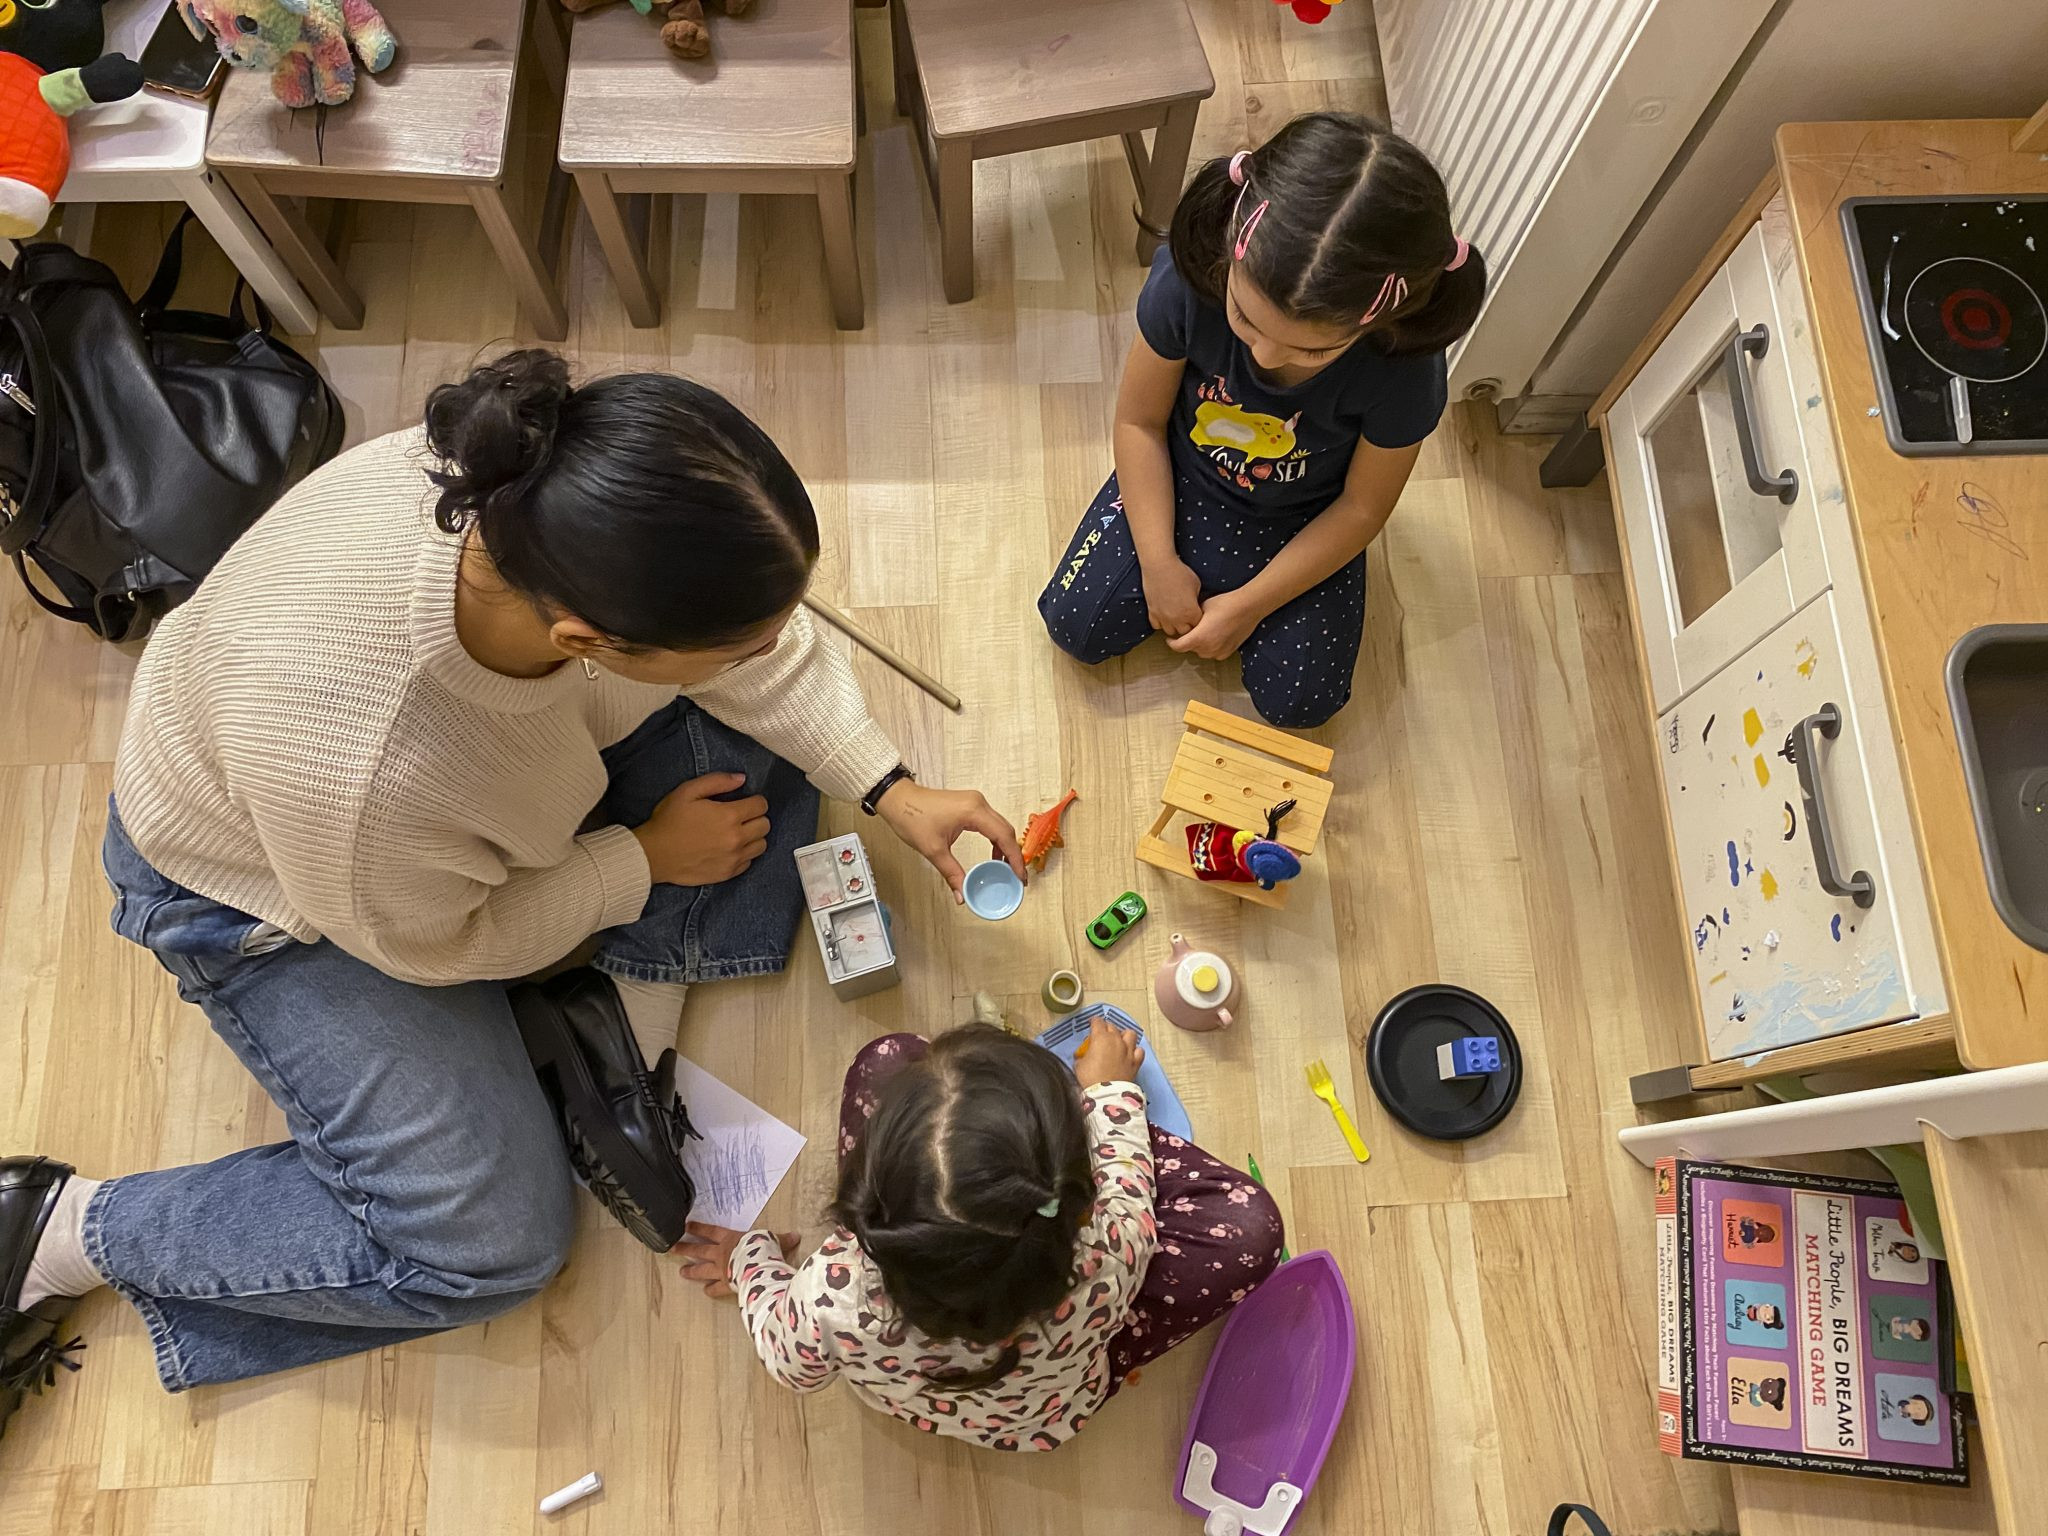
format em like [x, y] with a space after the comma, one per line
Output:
[154, 150]
[774, 111]
[1947, 544]
[982, 79]
[438, 126]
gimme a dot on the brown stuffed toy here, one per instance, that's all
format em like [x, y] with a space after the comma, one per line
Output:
[683, 28]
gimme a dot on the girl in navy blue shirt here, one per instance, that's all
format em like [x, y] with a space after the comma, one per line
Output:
[1288, 364]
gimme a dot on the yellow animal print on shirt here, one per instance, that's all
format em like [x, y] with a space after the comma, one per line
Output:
[1254, 435]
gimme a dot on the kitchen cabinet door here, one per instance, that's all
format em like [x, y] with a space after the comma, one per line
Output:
[1778, 956]
[1712, 479]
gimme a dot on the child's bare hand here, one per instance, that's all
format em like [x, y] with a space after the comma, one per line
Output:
[707, 1255]
[1173, 598]
[1110, 1054]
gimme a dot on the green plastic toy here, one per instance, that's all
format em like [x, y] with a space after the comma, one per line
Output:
[1117, 920]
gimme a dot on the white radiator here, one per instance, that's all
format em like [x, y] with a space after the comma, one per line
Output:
[1551, 121]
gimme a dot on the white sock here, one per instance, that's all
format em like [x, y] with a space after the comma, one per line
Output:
[655, 1010]
[59, 1266]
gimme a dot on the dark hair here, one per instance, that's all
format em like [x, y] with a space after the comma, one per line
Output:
[945, 1186]
[1348, 202]
[647, 506]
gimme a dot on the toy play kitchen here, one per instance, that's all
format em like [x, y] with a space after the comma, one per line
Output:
[1829, 465]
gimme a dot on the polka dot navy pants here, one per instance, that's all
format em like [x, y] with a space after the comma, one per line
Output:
[1297, 663]
[1219, 1231]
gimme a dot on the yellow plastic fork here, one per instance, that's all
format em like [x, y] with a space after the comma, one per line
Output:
[1324, 1089]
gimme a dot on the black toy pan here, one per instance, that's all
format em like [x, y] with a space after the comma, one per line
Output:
[1400, 1058]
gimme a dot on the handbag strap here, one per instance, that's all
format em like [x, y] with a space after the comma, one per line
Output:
[1561, 1516]
[170, 267]
[50, 604]
[22, 520]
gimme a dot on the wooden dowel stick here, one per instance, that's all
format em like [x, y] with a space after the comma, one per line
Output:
[861, 637]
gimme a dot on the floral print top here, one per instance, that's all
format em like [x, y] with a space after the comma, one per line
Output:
[830, 1316]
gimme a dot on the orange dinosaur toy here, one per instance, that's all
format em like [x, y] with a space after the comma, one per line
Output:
[1042, 831]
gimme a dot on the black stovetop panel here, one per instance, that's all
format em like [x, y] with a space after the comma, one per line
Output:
[1954, 294]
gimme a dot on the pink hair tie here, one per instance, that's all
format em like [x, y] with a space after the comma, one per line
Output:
[1392, 295]
[1457, 261]
[1237, 166]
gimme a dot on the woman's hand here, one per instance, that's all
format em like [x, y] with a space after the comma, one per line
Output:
[708, 1254]
[1110, 1054]
[692, 839]
[1227, 622]
[932, 820]
[1173, 597]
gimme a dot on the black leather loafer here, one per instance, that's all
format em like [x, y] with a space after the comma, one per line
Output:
[30, 1353]
[624, 1125]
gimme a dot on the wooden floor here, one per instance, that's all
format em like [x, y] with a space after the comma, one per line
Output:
[1495, 826]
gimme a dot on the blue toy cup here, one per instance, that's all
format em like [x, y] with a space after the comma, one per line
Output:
[993, 890]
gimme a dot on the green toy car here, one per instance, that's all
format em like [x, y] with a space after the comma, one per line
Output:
[1117, 921]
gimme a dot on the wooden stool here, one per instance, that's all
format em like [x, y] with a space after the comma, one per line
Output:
[774, 110]
[981, 78]
[1214, 778]
[439, 126]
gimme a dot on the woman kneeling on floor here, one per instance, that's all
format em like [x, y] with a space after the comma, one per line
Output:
[468, 696]
[1013, 1240]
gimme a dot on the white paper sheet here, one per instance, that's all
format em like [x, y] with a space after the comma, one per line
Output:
[743, 1154]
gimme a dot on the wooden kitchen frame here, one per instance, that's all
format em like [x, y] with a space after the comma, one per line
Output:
[1926, 580]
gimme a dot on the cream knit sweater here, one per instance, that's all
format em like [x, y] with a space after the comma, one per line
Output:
[308, 742]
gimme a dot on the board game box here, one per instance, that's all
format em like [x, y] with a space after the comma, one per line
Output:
[1800, 1325]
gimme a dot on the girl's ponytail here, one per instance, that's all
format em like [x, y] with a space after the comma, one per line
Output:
[1447, 313]
[1200, 237]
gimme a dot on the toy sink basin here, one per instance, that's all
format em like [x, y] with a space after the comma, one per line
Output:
[1271, 1400]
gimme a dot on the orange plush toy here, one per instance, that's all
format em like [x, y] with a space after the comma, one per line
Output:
[682, 27]
[50, 67]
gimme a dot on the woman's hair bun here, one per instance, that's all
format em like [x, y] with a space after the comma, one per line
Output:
[493, 429]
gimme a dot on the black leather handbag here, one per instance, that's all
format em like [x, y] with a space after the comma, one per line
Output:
[137, 442]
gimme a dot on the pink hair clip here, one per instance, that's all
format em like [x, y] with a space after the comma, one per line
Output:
[1457, 261]
[1244, 230]
[1392, 295]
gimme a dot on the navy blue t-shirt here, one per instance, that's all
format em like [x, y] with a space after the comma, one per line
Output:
[1278, 450]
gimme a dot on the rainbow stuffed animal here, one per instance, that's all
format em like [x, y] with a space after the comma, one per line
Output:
[305, 44]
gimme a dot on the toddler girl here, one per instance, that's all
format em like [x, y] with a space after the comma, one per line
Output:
[1011, 1244]
[1288, 364]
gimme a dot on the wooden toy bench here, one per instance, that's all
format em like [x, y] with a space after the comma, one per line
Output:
[1231, 770]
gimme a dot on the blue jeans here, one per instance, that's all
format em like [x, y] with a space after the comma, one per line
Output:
[424, 1185]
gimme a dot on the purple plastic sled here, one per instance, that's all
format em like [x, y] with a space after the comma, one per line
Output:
[1270, 1402]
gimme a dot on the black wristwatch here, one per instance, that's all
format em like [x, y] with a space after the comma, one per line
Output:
[872, 800]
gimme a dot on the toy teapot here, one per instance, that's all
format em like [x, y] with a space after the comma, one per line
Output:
[1192, 987]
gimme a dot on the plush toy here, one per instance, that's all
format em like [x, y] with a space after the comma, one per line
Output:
[1225, 853]
[50, 66]
[682, 28]
[303, 43]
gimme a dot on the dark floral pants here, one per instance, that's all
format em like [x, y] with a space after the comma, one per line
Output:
[1219, 1231]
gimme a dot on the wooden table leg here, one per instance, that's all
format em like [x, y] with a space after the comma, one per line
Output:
[1165, 169]
[302, 251]
[902, 61]
[532, 283]
[243, 245]
[842, 255]
[954, 193]
[623, 253]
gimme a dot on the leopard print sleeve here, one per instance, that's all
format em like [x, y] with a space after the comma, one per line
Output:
[1125, 1231]
[788, 1311]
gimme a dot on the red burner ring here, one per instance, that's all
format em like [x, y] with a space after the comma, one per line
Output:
[1977, 319]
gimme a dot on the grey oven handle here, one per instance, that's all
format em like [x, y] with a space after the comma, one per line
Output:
[1825, 724]
[1754, 342]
